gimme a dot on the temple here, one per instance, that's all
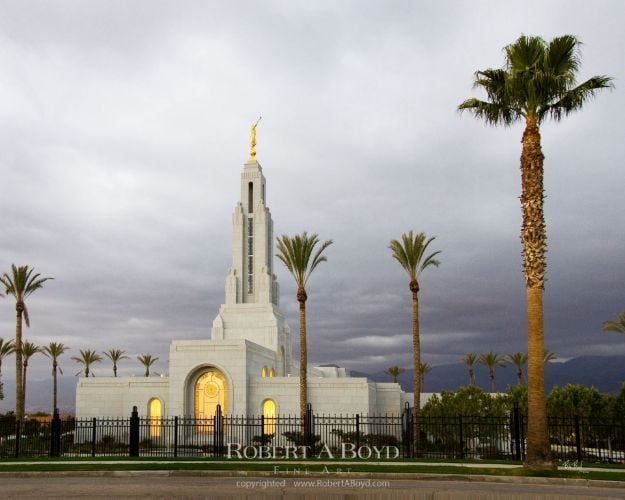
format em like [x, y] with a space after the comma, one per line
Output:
[246, 365]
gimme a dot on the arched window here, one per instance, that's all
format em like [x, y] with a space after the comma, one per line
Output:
[269, 417]
[272, 372]
[155, 415]
[264, 372]
[250, 197]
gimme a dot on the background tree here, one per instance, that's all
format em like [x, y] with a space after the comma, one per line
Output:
[53, 350]
[87, 358]
[548, 355]
[6, 348]
[147, 361]
[538, 81]
[470, 359]
[411, 255]
[577, 399]
[29, 349]
[394, 372]
[491, 360]
[115, 355]
[20, 284]
[300, 258]
[518, 359]
[425, 368]
[616, 325]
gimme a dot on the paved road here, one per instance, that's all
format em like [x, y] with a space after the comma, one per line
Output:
[150, 485]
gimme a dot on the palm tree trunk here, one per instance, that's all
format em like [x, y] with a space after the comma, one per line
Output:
[519, 376]
[147, 371]
[114, 369]
[416, 349]
[303, 356]
[533, 237]
[24, 382]
[471, 377]
[54, 386]
[87, 371]
[491, 376]
[19, 385]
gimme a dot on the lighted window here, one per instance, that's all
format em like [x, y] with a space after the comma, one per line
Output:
[155, 414]
[269, 417]
[272, 372]
[264, 372]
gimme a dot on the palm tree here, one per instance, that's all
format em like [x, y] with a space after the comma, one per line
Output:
[53, 350]
[300, 258]
[538, 81]
[20, 284]
[115, 355]
[617, 325]
[518, 359]
[6, 348]
[147, 360]
[425, 368]
[470, 359]
[28, 350]
[87, 358]
[394, 372]
[411, 255]
[491, 360]
[548, 355]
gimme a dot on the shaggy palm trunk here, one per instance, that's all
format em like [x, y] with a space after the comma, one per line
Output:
[19, 381]
[114, 369]
[54, 386]
[87, 371]
[519, 375]
[471, 377]
[303, 355]
[24, 379]
[534, 240]
[491, 376]
[147, 371]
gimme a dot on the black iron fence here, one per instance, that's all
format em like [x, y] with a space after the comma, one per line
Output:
[327, 436]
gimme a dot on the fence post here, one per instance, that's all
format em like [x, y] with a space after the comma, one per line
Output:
[461, 436]
[175, 436]
[578, 439]
[55, 434]
[218, 446]
[357, 431]
[93, 435]
[134, 433]
[18, 438]
[308, 430]
[516, 431]
[407, 431]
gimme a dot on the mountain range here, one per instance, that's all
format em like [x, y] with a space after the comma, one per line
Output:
[606, 373]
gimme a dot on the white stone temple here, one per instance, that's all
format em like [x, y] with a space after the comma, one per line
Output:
[246, 365]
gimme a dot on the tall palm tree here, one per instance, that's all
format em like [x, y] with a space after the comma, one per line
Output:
[29, 349]
[300, 258]
[491, 360]
[470, 359]
[394, 372]
[411, 255]
[6, 348]
[425, 368]
[538, 81]
[87, 358]
[53, 350]
[115, 355]
[147, 360]
[518, 359]
[617, 325]
[20, 284]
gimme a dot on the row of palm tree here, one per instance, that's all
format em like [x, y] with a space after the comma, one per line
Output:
[491, 360]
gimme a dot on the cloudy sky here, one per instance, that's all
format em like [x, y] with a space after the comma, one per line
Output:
[124, 127]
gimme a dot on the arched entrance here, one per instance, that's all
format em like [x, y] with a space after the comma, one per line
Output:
[211, 389]
[155, 414]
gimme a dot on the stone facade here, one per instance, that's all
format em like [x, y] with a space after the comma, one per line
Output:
[248, 359]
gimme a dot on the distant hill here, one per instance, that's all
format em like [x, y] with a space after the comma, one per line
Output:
[606, 373]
